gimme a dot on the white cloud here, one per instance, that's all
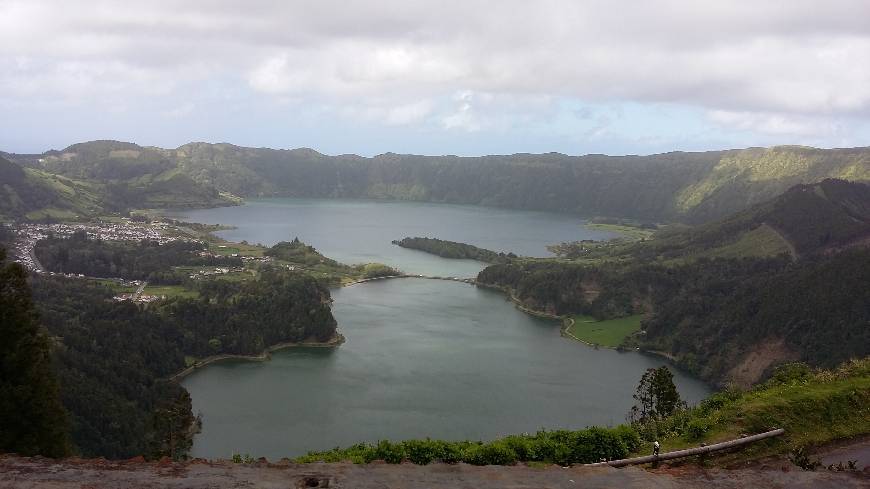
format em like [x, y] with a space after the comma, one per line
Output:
[776, 123]
[399, 115]
[274, 75]
[408, 113]
[463, 116]
[180, 111]
[777, 67]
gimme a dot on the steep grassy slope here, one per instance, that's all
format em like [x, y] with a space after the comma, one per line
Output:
[125, 176]
[751, 176]
[806, 219]
[692, 187]
[14, 189]
[35, 194]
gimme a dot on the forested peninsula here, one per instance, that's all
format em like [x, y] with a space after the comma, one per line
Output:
[453, 249]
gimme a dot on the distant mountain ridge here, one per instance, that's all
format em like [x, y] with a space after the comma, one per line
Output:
[677, 186]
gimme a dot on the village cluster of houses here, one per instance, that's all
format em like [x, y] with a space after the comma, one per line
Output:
[215, 271]
[140, 298]
[29, 234]
[245, 258]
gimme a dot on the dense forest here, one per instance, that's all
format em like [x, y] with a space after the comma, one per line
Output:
[610, 290]
[32, 419]
[247, 317]
[145, 260]
[691, 187]
[817, 309]
[113, 358]
[452, 249]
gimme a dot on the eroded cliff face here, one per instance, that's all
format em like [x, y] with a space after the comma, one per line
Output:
[759, 360]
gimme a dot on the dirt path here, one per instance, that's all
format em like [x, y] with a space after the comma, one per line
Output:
[858, 450]
[36, 264]
[26, 473]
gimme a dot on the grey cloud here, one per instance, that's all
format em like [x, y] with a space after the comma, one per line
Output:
[797, 58]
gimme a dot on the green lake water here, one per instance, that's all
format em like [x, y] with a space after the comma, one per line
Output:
[423, 358]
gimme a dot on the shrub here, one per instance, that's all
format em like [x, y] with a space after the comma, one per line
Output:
[696, 429]
[422, 452]
[522, 446]
[595, 444]
[451, 453]
[719, 400]
[239, 459]
[495, 453]
[800, 458]
[392, 453]
[790, 373]
[562, 446]
[629, 437]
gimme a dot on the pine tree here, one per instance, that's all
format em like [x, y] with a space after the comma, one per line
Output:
[656, 395]
[32, 418]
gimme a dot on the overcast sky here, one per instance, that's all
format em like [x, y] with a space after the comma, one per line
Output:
[436, 77]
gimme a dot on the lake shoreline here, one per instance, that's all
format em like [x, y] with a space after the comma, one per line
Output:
[339, 339]
[566, 320]
[334, 342]
[265, 355]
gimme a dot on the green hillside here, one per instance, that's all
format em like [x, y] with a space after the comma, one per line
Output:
[804, 220]
[35, 194]
[813, 406]
[784, 280]
[93, 178]
[754, 175]
[678, 186]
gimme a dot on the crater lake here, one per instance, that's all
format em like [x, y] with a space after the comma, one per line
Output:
[423, 358]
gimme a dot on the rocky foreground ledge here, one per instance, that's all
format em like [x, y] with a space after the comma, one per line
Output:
[24, 473]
